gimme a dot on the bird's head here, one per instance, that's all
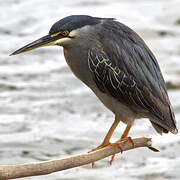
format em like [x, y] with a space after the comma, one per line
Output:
[63, 32]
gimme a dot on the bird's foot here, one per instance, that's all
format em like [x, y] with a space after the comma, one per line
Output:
[126, 139]
[103, 145]
[116, 144]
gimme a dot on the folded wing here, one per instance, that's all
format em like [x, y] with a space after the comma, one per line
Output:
[123, 67]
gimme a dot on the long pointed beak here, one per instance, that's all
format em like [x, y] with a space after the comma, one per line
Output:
[44, 41]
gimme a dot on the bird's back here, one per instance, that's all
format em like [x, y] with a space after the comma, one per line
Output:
[131, 74]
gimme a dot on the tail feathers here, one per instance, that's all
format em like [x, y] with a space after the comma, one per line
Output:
[163, 128]
[164, 121]
[159, 129]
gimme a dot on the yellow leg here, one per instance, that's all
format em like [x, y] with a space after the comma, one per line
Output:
[126, 132]
[124, 137]
[108, 136]
[106, 141]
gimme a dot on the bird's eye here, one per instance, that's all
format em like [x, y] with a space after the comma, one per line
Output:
[65, 33]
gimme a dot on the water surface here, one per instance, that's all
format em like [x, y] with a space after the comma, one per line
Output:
[46, 113]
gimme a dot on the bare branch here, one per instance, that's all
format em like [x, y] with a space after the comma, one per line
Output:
[47, 167]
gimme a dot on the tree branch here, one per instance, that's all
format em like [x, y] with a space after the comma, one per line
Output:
[47, 167]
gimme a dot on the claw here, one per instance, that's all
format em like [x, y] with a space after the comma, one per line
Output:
[131, 141]
[92, 164]
[98, 148]
[121, 140]
[113, 156]
[127, 139]
[116, 144]
[112, 159]
[108, 136]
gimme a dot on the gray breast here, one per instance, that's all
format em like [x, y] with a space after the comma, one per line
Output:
[80, 68]
[78, 64]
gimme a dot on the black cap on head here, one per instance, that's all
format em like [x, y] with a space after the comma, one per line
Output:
[58, 29]
[73, 22]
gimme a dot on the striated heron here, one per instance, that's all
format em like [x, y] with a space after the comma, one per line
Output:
[112, 60]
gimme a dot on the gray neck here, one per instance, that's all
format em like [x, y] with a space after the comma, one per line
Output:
[76, 54]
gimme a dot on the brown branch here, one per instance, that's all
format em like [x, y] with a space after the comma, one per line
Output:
[47, 167]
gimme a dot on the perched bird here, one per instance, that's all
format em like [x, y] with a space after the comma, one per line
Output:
[116, 64]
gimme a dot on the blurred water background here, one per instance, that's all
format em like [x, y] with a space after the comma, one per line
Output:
[46, 113]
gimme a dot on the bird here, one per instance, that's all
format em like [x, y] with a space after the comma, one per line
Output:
[118, 66]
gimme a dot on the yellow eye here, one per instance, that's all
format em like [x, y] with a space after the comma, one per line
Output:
[65, 33]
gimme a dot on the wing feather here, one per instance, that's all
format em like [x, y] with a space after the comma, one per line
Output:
[126, 69]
